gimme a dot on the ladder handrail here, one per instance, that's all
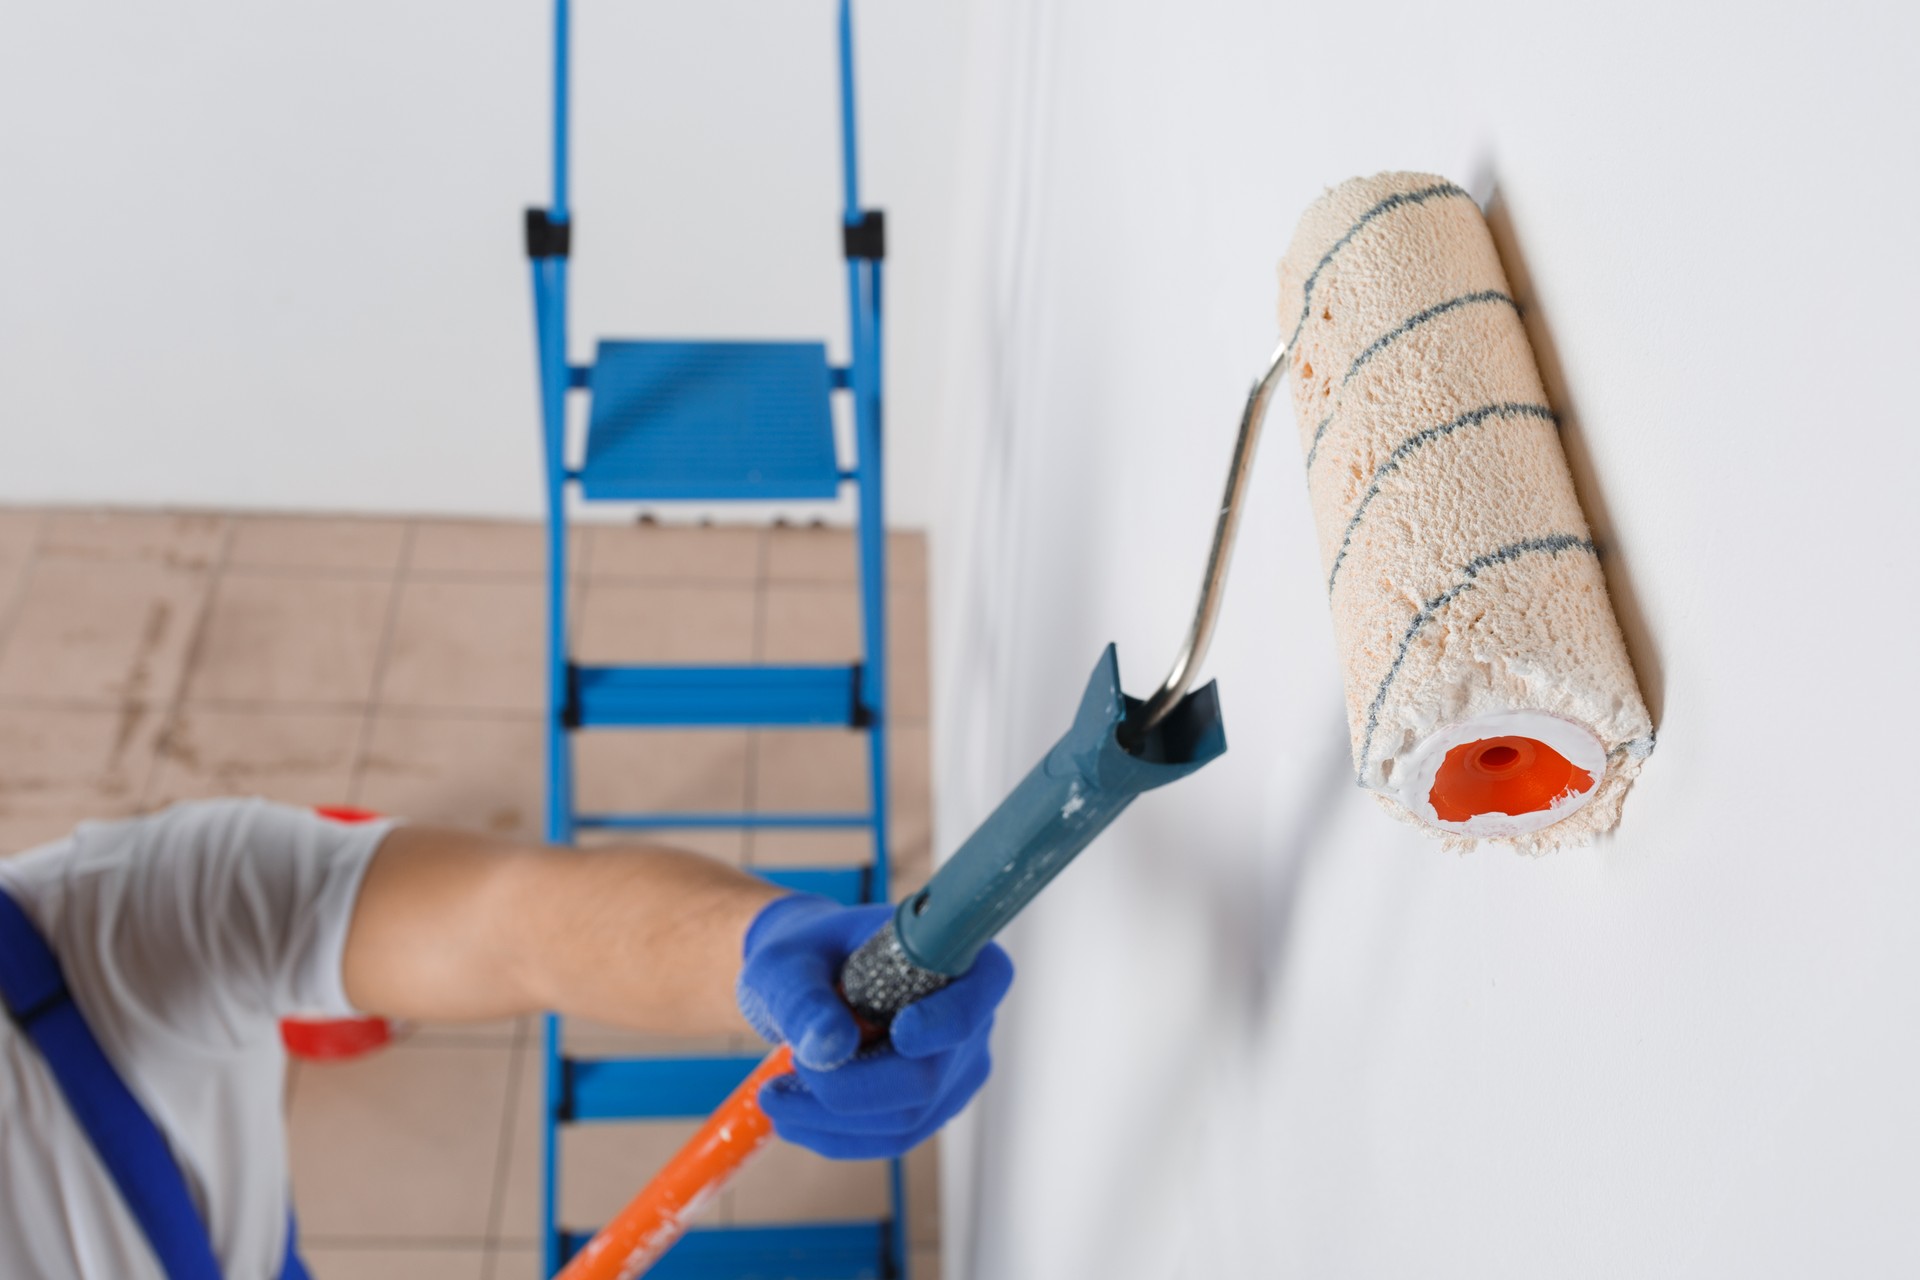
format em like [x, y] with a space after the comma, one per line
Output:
[561, 40]
[849, 141]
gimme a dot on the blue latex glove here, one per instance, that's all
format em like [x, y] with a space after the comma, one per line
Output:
[841, 1100]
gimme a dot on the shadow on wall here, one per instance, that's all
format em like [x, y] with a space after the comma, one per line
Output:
[1251, 903]
[1626, 601]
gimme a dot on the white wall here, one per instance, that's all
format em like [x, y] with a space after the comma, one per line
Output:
[1261, 1029]
[269, 255]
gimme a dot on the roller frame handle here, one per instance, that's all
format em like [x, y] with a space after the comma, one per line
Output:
[1078, 789]
[1070, 797]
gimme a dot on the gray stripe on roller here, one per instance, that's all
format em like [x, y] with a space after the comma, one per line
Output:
[1388, 205]
[1412, 444]
[1393, 335]
[1552, 544]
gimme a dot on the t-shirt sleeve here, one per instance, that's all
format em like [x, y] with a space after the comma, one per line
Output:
[218, 918]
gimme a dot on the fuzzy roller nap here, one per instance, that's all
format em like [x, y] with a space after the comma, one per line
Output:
[1488, 688]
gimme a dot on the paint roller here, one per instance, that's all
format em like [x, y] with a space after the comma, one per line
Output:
[1489, 693]
[1488, 688]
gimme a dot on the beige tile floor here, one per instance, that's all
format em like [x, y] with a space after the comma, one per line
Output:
[396, 664]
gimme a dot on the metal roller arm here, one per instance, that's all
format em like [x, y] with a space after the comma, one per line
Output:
[1213, 586]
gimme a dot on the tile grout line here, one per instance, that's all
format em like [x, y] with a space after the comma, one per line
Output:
[503, 1151]
[267, 706]
[300, 572]
[578, 601]
[356, 773]
[750, 797]
[270, 707]
[17, 597]
[587, 539]
[727, 1211]
[579, 587]
[173, 706]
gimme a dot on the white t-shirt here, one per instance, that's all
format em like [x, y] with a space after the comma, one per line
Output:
[185, 936]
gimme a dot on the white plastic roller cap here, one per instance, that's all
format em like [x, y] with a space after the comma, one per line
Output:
[1576, 742]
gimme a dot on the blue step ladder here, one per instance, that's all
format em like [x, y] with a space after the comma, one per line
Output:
[708, 422]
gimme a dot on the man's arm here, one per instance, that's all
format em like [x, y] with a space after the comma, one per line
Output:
[451, 925]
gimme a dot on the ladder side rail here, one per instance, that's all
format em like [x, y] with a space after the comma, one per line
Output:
[550, 290]
[556, 378]
[872, 544]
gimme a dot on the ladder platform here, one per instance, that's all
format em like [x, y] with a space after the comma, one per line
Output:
[650, 1088]
[710, 421]
[803, 1251]
[848, 886]
[689, 697]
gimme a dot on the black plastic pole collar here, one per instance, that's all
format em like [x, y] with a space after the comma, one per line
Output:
[866, 238]
[547, 238]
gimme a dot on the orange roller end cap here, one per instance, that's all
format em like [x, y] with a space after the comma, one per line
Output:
[1503, 775]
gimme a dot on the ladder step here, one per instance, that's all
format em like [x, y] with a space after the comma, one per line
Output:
[687, 697]
[803, 1251]
[690, 821]
[651, 1088]
[848, 886]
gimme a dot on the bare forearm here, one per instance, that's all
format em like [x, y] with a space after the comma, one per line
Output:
[451, 925]
[644, 937]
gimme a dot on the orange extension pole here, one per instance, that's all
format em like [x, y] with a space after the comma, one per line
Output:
[637, 1237]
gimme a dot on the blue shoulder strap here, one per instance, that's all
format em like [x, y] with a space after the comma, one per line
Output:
[125, 1136]
[291, 1268]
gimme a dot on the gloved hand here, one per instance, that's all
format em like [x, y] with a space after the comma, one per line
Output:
[841, 1100]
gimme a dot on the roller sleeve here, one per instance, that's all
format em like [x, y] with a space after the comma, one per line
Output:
[1488, 688]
